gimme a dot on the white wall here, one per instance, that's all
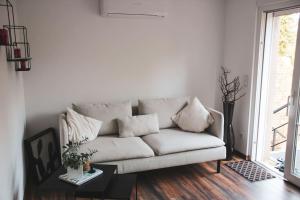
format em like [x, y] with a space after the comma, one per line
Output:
[240, 17]
[12, 122]
[79, 56]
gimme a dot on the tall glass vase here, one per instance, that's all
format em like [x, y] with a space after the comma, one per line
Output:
[228, 109]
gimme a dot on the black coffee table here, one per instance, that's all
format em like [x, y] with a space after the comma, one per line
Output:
[107, 185]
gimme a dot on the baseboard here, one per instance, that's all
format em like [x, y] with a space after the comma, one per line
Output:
[243, 156]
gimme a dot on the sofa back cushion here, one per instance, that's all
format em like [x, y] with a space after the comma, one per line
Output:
[108, 113]
[164, 107]
[138, 125]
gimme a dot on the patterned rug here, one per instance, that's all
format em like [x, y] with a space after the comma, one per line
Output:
[250, 170]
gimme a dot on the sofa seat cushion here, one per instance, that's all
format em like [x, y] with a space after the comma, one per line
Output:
[111, 148]
[174, 140]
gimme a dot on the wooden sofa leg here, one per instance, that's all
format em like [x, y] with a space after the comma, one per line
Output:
[218, 166]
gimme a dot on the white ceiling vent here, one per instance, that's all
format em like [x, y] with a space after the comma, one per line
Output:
[133, 8]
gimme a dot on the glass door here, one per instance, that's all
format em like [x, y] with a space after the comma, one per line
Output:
[276, 83]
[292, 157]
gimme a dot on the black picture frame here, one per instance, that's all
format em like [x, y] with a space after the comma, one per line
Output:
[43, 154]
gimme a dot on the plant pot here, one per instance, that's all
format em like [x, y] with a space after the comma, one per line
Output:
[228, 109]
[87, 166]
[75, 173]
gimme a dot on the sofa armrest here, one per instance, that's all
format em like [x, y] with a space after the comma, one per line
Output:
[217, 128]
[63, 134]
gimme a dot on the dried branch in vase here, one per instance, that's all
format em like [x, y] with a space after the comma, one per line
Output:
[230, 89]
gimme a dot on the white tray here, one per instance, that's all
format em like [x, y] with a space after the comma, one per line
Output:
[83, 179]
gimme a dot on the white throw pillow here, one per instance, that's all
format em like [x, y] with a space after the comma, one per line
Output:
[194, 117]
[80, 127]
[138, 125]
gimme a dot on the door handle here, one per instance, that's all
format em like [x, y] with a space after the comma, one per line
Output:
[288, 105]
[290, 102]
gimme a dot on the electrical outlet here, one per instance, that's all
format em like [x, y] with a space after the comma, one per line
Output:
[239, 139]
[240, 136]
[245, 80]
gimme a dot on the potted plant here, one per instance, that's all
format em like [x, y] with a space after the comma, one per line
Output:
[73, 160]
[231, 90]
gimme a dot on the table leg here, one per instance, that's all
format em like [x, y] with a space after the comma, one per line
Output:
[66, 196]
[136, 188]
[70, 196]
[218, 166]
[38, 195]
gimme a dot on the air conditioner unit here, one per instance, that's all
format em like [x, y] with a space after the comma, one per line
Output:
[133, 8]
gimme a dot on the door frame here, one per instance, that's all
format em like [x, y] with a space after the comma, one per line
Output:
[257, 69]
[293, 120]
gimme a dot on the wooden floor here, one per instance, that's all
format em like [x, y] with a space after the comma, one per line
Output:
[201, 181]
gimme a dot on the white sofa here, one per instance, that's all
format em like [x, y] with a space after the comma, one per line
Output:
[170, 147]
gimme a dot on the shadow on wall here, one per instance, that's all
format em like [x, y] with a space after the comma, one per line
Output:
[41, 122]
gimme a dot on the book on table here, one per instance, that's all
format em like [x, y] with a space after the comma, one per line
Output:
[87, 176]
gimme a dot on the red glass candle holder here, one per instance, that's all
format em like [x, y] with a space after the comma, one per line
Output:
[23, 65]
[3, 37]
[17, 53]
